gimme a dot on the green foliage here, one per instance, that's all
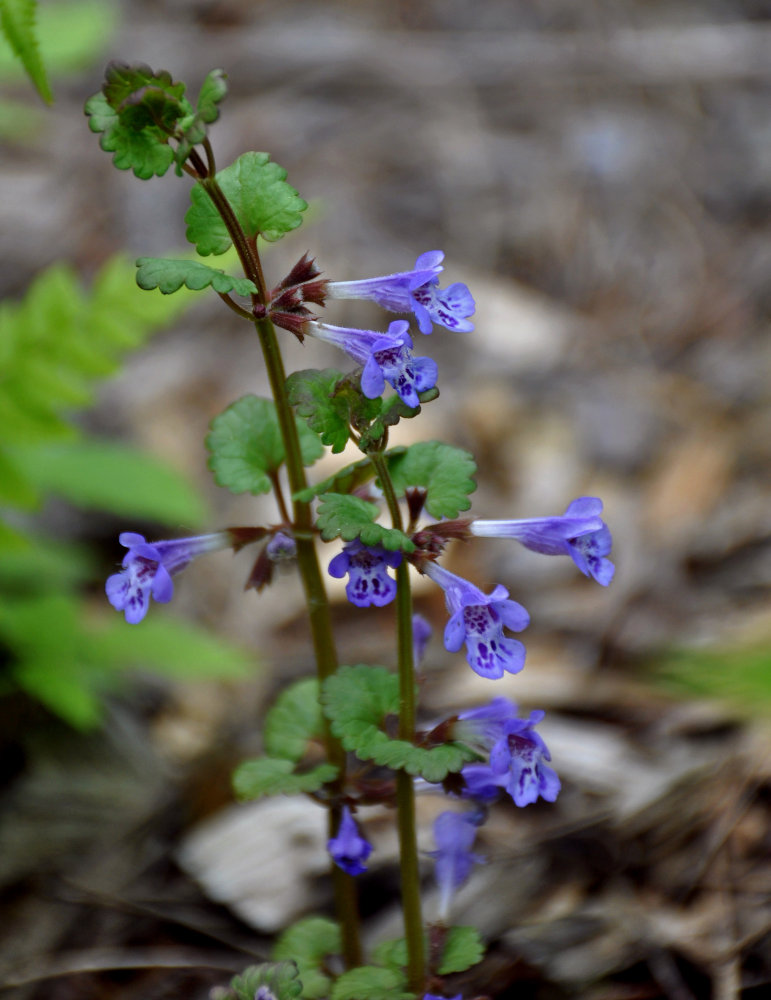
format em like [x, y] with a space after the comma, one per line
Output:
[193, 131]
[444, 472]
[264, 204]
[136, 111]
[57, 342]
[344, 481]
[170, 275]
[109, 477]
[333, 404]
[292, 724]
[70, 34]
[294, 720]
[55, 346]
[17, 20]
[350, 517]
[739, 674]
[357, 700]
[392, 410]
[369, 982]
[309, 943]
[462, 949]
[254, 779]
[246, 446]
[328, 401]
[280, 978]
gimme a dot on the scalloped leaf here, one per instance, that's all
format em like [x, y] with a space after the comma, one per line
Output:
[348, 517]
[445, 473]
[281, 978]
[462, 949]
[264, 204]
[331, 403]
[213, 89]
[136, 110]
[146, 153]
[309, 943]
[344, 481]
[392, 410]
[254, 779]
[357, 701]
[369, 982]
[17, 20]
[170, 275]
[246, 446]
[294, 720]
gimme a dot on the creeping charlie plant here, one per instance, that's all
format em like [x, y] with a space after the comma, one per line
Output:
[145, 120]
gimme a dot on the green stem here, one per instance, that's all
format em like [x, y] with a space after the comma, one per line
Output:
[405, 788]
[307, 559]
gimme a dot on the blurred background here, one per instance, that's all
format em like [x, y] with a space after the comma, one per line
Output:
[599, 174]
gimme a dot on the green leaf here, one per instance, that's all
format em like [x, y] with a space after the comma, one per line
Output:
[392, 953]
[254, 779]
[281, 979]
[144, 152]
[17, 20]
[213, 90]
[369, 982]
[143, 98]
[443, 471]
[392, 410]
[357, 700]
[350, 517]
[462, 949]
[310, 943]
[264, 204]
[136, 111]
[15, 487]
[324, 398]
[168, 647]
[246, 446]
[344, 481]
[111, 477]
[294, 721]
[170, 275]
[738, 674]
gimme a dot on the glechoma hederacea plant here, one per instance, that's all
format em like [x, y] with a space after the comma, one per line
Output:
[364, 716]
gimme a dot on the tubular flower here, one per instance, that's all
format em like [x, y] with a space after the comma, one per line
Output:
[454, 834]
[349, 850]
[478, 619]
[417, 292]
[367, 569]
[386, 357]
[517, 763]
[149, 566]
[579, 533]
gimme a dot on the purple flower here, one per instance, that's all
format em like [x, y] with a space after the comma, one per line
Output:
[386, 357]
[482, 727]
[433, 996]
[281, 547]
[349, 850]
[367, 569]
[149, 566]
[415, 291]
[454, 834]
[421, 633]
[579, 533]
[478, 619]
[517, 761]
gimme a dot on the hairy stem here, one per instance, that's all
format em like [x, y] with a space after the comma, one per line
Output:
[405, 789]
[307, 560]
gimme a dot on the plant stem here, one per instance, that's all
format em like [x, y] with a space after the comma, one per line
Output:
[307, 560]
[405, 789]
